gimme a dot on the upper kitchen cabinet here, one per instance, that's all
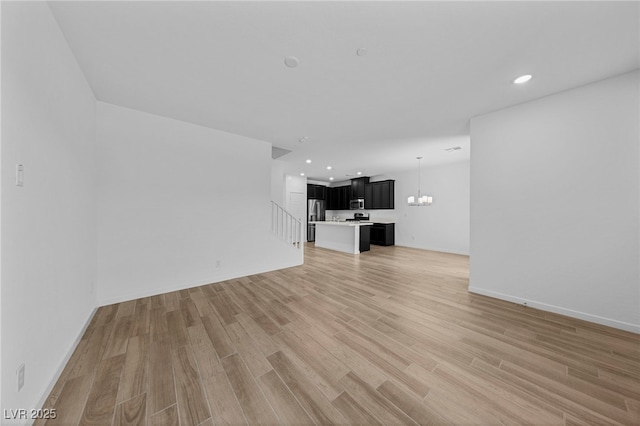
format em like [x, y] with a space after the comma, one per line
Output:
[332, 198]
[379, 195]
[316, 192]
[321, 192]
[338, 198]
[344, 197]
[358, 187]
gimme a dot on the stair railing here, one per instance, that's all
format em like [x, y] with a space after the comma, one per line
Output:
[285, 226]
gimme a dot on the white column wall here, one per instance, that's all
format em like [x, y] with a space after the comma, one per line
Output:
[554, 203]
[48, 225]
[180, 205]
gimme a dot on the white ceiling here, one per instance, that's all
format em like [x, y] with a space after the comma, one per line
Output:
[429, 68]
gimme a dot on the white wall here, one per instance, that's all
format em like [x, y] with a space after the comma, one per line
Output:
[443, 226]
[554, 195]
[1, 180]
[295, 192]
[277, 182]
[48, 225]
[174, 199]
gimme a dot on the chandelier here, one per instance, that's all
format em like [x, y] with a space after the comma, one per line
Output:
[420, 200]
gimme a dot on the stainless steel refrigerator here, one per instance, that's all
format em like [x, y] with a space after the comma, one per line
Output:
[315, 213]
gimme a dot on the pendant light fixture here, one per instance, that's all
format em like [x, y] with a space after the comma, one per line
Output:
[420, 200]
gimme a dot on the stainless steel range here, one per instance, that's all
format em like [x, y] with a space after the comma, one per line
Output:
[357, 217]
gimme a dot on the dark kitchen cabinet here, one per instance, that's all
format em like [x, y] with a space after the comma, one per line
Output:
[386, 194]
[383, 234]
[368, 195]
[345, 197]
[379, 195]
[321, 192]
[338, 198]
[316, 192]
[331, 198]
[365, 238]
[358, 187]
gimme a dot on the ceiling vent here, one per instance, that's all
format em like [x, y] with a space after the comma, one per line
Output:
[453, 148]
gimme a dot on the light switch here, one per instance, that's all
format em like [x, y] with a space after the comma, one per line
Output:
[19, 175]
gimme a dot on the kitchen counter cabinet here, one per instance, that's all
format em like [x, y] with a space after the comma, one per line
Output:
[365, 238]
[347, 237]
[383, 234]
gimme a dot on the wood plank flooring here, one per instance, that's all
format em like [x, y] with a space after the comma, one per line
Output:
[390, 336]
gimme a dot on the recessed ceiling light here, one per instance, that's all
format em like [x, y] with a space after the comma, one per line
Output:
[329, 167]
[291, 61]
[303, 139]
[361, 51]
[308, 161]
[522, 79]
[331, 178]
[301, 174]
[359, 173]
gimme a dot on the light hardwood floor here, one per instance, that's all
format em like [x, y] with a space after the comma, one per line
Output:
[387, 337]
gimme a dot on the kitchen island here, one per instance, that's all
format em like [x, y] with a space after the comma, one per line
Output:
[348, 237]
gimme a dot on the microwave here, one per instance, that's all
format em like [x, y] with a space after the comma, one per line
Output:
[357, 204]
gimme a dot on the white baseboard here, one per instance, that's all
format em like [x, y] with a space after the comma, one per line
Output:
[634, 328]
[134, 295]
[63, 364]
[430, 248]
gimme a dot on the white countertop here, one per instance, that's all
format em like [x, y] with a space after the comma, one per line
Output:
[353, 223]
[350, 223]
